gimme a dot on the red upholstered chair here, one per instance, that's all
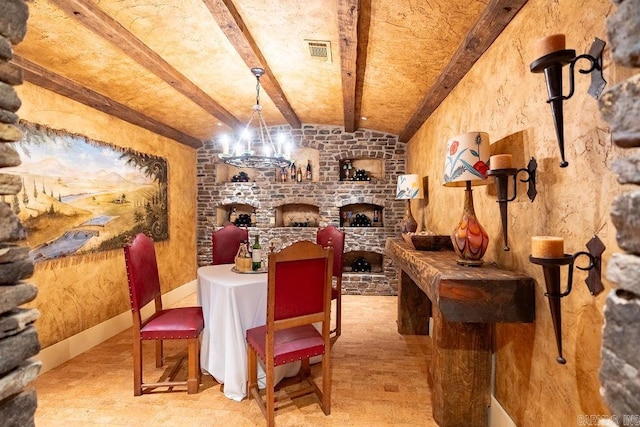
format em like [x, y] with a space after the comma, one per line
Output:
[184, 323]
[331, 236]
[299, 295]
[225, 243]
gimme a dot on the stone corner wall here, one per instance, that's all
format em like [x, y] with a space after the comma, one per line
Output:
[18, 337]
[620, 106]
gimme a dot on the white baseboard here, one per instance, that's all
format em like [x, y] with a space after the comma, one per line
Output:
[498, 417]
[69, 348]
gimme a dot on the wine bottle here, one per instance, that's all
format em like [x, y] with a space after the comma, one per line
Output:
[293, 171]
[256, 255]
[299, 175]
[308, 170]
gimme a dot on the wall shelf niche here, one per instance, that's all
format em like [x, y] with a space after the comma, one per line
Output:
[297, 215]
[223, 213]
[374, 169]
[352, 215]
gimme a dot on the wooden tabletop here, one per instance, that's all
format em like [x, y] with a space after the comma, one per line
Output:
[485, 294]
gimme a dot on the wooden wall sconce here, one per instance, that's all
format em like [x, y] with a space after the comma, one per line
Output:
[548, 252]
[501, 169]
[552, 57]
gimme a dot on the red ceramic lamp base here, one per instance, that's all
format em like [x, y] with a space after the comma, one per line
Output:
[408, 223]
[469, 239]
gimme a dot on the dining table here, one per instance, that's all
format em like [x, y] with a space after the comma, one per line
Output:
[233, 302]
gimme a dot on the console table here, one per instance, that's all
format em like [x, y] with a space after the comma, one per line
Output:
[465, 303]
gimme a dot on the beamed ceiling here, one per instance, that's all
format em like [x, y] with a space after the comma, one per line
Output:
[181, 68]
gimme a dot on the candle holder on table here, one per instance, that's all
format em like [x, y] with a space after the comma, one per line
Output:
[552, 56]
[501, 176]
[551, 269]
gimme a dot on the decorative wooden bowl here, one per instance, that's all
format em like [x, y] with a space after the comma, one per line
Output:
[431, 242]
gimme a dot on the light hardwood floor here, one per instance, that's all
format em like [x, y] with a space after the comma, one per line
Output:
[379, 379]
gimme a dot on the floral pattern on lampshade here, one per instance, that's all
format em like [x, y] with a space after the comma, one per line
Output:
[408, 187]
[467, 158]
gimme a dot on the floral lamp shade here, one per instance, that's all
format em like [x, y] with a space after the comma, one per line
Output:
[408, 187]
[467, 159]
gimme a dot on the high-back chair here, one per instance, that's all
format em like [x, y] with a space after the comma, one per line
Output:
[225, 243]
[183, 323]
[298, 295]
[331, 236]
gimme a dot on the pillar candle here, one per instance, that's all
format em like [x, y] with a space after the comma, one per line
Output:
[500, 161]
[549, 44]
[547, 247]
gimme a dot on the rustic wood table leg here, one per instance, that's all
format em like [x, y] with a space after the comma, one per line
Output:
[414, 307]
[460, 372]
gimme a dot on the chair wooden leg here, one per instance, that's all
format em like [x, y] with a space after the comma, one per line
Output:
[159, 353]
[271, 396]
[326, 382]
[252, 370]
[193, 381]
[137, 366]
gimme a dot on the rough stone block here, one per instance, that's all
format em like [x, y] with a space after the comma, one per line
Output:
[9, 157]
[17, 320]
[18, 411]
[10, 184]
[17, 379]
[621, 334]
[8, 98]
[625, 215]
[13, 20]
[624, 270]
[8, 117]
[620, 106]
[10, 73]
[13, 272]
[11, 229]
[623, 28]
[6, 52]
[13, 296]
[620, 366]
[17, 348]
[12, 253]
[9, 133]
[627, 169]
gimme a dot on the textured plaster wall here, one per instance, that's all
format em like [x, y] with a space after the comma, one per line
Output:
[78, 292]
[502, 97]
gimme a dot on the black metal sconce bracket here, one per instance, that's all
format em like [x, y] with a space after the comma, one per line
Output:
[501, 176]
[551, 270]
[551, 64]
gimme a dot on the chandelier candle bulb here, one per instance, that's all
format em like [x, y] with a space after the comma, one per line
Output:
[501, 161]
[547, 247]
[549, 44]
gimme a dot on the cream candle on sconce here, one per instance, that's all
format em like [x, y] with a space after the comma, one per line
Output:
[547, 247]
[501, 161]
[549, 44]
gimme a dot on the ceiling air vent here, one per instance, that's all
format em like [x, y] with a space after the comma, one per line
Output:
[319, 50]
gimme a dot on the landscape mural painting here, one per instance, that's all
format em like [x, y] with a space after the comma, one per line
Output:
[82, 196]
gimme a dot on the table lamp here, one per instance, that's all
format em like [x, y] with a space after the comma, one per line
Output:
[408, 188]
[466, 164]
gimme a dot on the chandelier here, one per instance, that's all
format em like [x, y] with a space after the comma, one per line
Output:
[243, 155]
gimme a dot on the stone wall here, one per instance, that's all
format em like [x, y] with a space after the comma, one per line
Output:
[18, 337]
[620, 106]
[326, 192]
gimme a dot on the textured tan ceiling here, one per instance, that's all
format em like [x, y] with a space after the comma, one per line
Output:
[409, 44]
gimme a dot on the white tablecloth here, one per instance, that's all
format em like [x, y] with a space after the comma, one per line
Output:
[231, 304]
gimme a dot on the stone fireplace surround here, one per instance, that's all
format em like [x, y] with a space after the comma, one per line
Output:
[326, 191]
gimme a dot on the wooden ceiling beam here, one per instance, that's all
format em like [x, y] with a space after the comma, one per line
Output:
[92, 17]
[39, 76]
[487, 28]
[233, 26]
[354, 17]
